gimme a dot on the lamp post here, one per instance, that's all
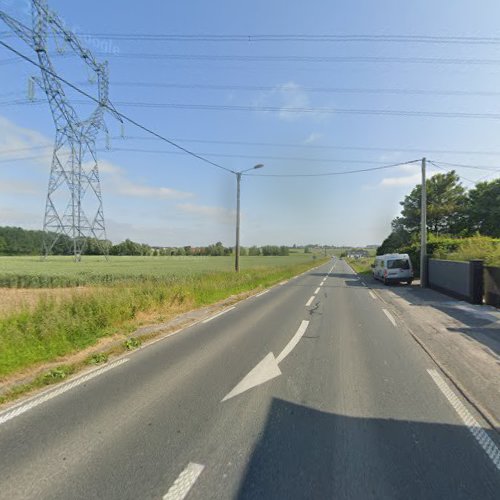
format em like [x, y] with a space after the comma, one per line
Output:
[237, 247]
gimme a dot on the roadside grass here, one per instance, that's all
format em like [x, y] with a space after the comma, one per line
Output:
[361, 266]
[54, 329]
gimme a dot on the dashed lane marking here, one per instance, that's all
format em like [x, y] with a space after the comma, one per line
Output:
[317, 291]
[372, 295]
[486, 443]
[184, 482]
[218, 314]
[310, 301]
[19, 410]
[389, 315]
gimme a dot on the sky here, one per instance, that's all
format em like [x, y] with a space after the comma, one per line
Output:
[155, 194]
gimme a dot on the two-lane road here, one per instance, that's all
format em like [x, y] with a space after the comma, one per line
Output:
[311, 390]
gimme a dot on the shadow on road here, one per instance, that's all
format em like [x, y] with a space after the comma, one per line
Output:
[309, 454]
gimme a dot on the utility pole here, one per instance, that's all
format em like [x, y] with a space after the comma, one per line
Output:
[238, 183]
[423, 229]
[237, 249]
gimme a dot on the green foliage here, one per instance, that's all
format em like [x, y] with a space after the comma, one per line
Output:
[484, 208]
[253, 251]
[132, 343]
[446, 206]
[98, 358]
[56, 374]
[275, 250]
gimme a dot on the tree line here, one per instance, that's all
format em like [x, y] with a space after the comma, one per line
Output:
[19, 241]
[451, 211]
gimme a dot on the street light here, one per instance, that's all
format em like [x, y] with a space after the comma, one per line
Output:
[237, 248]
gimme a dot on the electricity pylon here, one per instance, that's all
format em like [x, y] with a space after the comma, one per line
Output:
[74, 200]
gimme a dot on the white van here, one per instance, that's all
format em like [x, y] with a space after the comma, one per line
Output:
[393, 268]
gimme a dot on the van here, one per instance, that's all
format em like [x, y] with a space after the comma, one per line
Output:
[393, 268]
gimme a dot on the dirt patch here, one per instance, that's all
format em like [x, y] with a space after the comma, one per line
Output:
[13, 300]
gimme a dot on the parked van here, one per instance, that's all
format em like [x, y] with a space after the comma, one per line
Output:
[393, 268]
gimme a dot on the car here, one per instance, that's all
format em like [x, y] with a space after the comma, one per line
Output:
[393, 268]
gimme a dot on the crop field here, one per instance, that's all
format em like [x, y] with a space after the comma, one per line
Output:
[32, 272]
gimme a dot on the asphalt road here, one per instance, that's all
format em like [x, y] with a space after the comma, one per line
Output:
[273, 399]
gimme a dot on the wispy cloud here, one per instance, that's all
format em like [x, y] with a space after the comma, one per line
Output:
[219, 214]
[312, 138]
[405, 180]
[286, 97]
[117, 182]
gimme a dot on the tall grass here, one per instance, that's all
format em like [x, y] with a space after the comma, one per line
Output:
[58, 328]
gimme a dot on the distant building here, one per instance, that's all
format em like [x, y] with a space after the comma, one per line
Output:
[358, 254]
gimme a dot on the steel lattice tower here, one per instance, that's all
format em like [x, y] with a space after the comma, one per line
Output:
[74, 201]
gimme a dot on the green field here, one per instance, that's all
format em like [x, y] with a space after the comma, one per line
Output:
[32, 272]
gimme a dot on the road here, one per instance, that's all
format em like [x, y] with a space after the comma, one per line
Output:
[311, 390]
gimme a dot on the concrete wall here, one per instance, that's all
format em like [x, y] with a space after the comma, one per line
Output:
[450, 277]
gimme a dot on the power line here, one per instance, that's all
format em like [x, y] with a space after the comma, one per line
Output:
[110, 108]
[295, 58]
[277, 109]
[284, 88]
[393, 149]
[346, 172]
[321, 38]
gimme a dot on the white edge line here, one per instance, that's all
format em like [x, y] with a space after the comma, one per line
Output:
[310, 301]
[38, 400]
[389, 315]
[293, 342]
[218, 314]
[262, 293]
[184, 482]
[486, 443]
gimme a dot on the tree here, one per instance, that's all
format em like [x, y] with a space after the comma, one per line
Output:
[254, 251]
[446, 206]
[484, 209]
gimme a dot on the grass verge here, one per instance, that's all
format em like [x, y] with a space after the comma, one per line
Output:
[361, 266]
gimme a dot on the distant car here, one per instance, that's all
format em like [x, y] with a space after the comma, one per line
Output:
[393, 268]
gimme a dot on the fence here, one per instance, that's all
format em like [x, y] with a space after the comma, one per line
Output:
[462, 280]
[492, 286]
[469, 281]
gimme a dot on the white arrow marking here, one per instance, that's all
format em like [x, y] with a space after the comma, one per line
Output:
[295, 340]
[266, 370]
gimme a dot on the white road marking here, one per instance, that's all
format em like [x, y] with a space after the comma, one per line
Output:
[372, 295]
[184, 482]
[218, 314]
[363, 283]
[295, 340]
[283, 283]
[389, 315]
[472, 424]
[19, 410]
[266, 370]
[310, 301]
[317, 290]
[262, 293]
[321, 284]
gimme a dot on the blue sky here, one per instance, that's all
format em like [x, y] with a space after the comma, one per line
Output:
[169, 199]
